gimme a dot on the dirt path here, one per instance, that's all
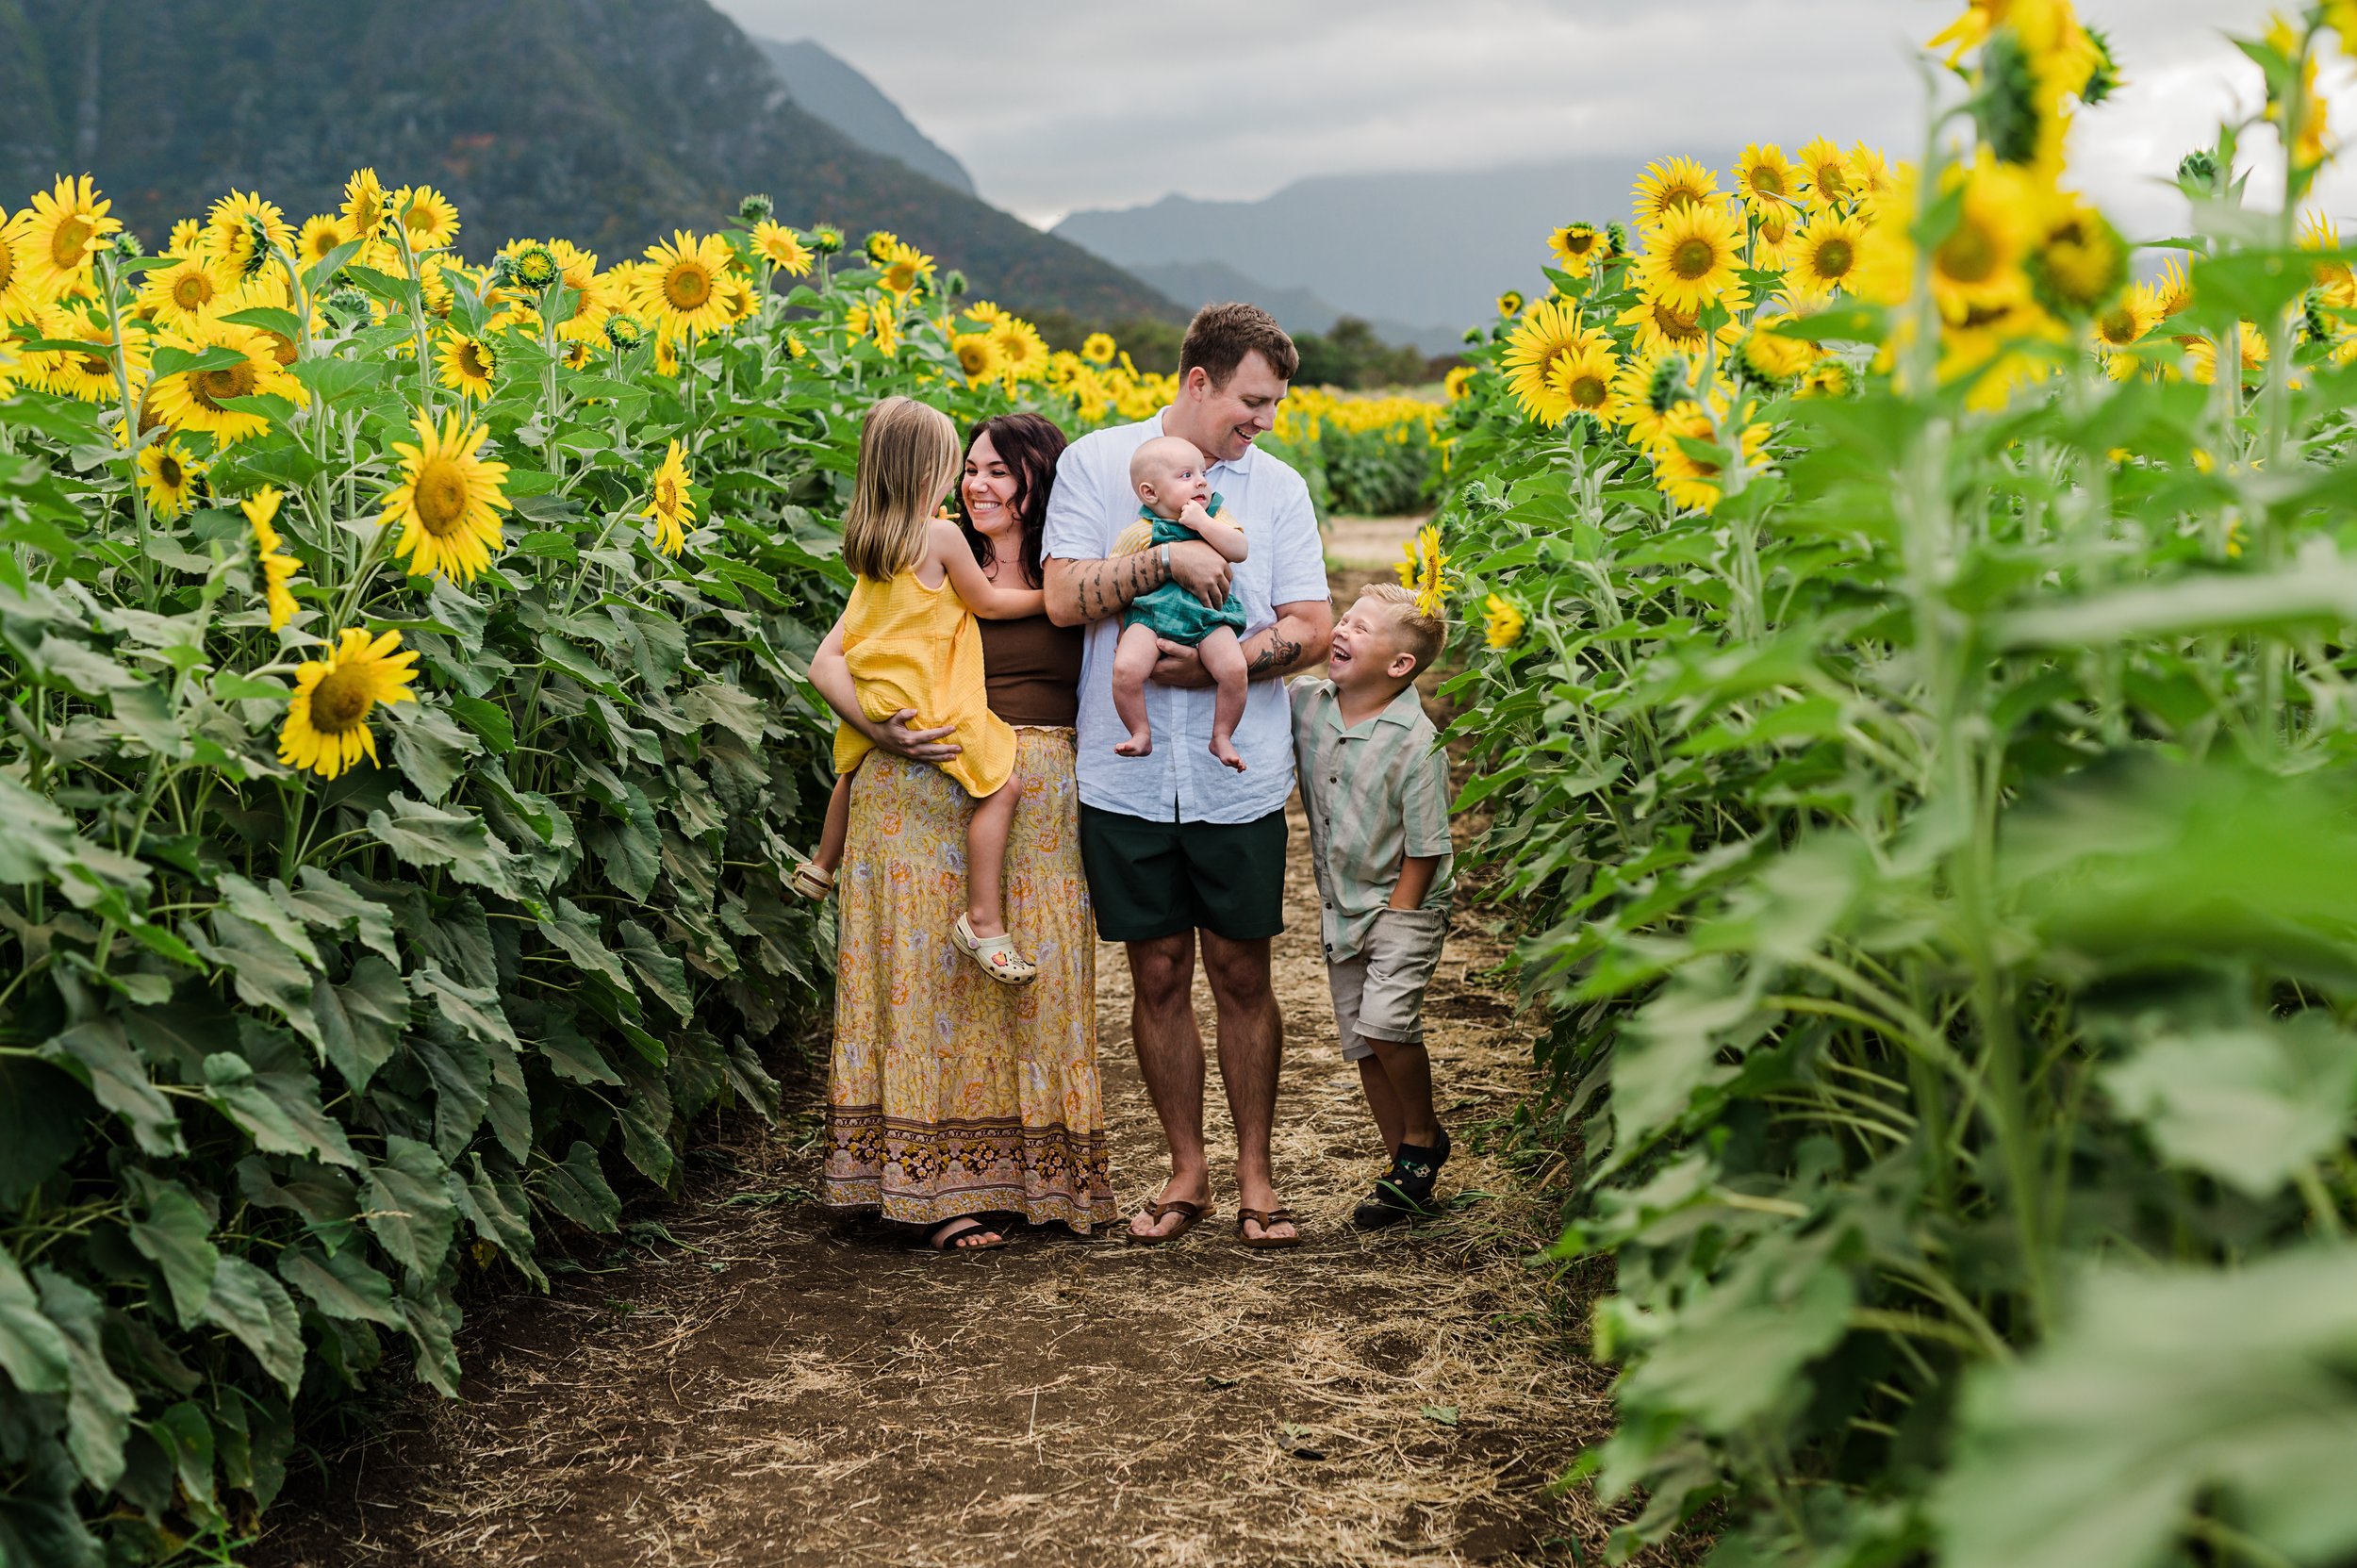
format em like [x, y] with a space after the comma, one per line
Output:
[770, 1385]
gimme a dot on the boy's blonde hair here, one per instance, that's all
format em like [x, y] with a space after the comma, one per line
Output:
[1421, 635]
[908, 459]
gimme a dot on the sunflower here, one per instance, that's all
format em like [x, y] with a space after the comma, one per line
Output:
[318, 239]
[429, 218]
[978, 356]
[577, 353]
[88, 373]
[186, 234]
[667, 356]
[881, 244]
[534, 266]
[1770, 355]
[1425, 567]
[795, 347]
[241, 230]
[191, 400]
[1773, 233]
[1022, 353]
[826, 239]
[169, 477]
[1765, 178]
[1578, 247]
[186, 290]
[2335, 280]
[261, 511]
[1997, 349]
[668, 502]
[885, 328]
[1828, 174]
[1870, 174]
[1510, 304]
[1692, 255]
[448, 501]
[905, 270]
[1453, 385]
[1691, 482]
[2126, 321]
[1581, 381]
[1979, 265]
[985, 315]
[1099, 348]
[1661, 324]
[68, 225]
[364, 206]
[468, 364]
[2080, 264]
[327, 719]
[781, 247]
[2202, 354]
[18, 301]
[1670, 184]
[1502, 622]
[2174, 289]
[1825, 254]
[681, 291]
[1829, 377]
[1550, 332]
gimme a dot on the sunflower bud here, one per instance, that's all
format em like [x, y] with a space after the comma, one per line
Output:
[1616, 240]
[826, 239]
[1474, 335]
[2315, 326]
[756, 209]
[624, 330]
[348, 304]
[879, 244]
[2006, 107]
[126, 246]
[534, 266]
[1511, 303]
[2196, 172]
[954, 283]
[2103, 76]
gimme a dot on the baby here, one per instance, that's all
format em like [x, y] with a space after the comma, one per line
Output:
[1174, 496]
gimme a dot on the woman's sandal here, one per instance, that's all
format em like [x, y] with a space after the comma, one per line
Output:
[811, 882]
[945, 1236]
[1190, 1215]
[1265, 1219]
[996, 954]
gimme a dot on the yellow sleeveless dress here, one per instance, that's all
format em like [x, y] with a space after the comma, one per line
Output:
[909, 646]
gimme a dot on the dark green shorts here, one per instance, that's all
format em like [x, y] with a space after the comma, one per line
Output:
[1157, 879]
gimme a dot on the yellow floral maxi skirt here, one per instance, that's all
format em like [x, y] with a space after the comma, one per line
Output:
[950, 1094]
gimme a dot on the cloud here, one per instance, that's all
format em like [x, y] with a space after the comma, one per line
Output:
[1056, 106]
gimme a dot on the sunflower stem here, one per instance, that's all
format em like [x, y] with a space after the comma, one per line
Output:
[121, 360]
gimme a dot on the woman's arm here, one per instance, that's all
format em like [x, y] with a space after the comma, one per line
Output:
[1218, 532]
[831, 674]
[982, 595]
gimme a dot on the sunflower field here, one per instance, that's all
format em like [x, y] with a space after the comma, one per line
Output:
[1909, 675]
[405, 738]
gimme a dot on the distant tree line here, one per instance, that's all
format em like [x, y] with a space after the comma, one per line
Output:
[1348, 356]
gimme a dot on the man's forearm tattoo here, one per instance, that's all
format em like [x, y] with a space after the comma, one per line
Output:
[1280, 655]
[1108, 587]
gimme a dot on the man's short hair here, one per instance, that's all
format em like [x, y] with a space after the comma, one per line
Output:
[1421, 635]
[1221, 335]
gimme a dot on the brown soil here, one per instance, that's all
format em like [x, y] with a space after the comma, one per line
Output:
[784, 1387]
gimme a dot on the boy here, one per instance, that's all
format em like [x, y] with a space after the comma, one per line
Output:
[1175, 501]
[1375, 788]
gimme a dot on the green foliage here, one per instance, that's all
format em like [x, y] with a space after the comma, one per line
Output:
[1933, 862]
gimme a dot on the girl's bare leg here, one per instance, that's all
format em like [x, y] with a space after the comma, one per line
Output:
[1133, 661]
[1223, 661]
[830, 839]
[986, 834]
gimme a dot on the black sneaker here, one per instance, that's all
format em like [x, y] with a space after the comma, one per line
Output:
[1406, 1191]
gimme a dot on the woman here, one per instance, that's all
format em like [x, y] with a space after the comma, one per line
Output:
[954, 1102]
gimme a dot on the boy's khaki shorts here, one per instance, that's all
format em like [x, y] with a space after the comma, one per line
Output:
[1379, 995]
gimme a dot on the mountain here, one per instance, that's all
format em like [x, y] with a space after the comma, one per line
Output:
[607, 122]
[831, 88]
[1199, 283]
[1431, 248]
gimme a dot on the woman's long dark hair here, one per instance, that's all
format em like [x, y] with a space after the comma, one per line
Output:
[1028, 444]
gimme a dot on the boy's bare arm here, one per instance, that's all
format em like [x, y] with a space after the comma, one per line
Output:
[1415, 880]
[983, 597]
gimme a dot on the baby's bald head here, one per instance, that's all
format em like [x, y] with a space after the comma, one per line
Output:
[1167, 472]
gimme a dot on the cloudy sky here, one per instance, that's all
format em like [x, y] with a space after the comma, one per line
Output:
[1055, 105]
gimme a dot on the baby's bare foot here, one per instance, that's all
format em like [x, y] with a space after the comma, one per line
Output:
[1225, 750]
[1140, 744]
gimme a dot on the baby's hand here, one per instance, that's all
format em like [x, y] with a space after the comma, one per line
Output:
[1195, 515]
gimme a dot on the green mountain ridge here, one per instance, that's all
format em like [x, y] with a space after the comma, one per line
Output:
[609, 122]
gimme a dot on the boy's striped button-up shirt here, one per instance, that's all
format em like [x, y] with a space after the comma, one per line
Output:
[1376, 792]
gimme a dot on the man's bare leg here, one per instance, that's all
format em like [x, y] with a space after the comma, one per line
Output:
[1251, 1041]
[1170, 1059]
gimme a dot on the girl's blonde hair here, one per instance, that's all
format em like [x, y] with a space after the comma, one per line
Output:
[908, 459]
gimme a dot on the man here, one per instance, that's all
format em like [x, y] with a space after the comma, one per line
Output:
[1180, 850]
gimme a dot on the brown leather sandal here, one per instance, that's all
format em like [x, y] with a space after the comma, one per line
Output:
[1190, 1215]
[1265, 1218]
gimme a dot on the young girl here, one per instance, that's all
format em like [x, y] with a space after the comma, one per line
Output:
[910, 638]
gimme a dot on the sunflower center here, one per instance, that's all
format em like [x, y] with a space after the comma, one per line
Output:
[2117, 327]
[972, 359]
[686, 287]
[97, 365]
[666, 493]
[900, 279]
[167, 473]
[282, 347]
[213, 387]
[1768, 180]
[8, 264]
[1587, 392]
[1831, 183]
[1835, 257]
[1673, 323]
[1970, 255]
[1579, 245]
[440, 493]
[191, 290]
[417, 220]
[67, 245]
[1678, 195]
[340, 702]
[475, 361]
[1693, 258]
